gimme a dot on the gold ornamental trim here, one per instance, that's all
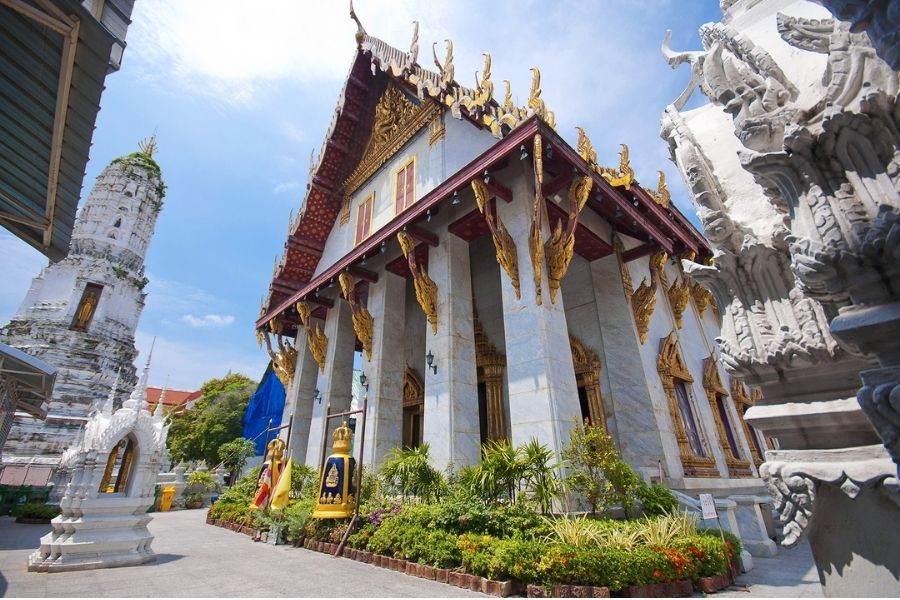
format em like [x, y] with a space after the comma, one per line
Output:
[643, 300]
[671, 366]
[284, 360]
[623, 175]
[661, 194]
[587, 375]
[560, 248]
[491, 365]
[702, 297]
[426, 289]
[363, 322]
[679, 296]
[397, 120]
[316, 340]
[535, 236]
[712, 385]
[504, 246]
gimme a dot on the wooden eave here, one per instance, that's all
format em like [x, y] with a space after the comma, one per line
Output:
[647, 220]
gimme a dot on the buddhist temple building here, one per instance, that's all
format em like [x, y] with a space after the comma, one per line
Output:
[493, 281]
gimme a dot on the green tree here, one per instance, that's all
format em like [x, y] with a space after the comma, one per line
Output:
[217, 418]
[234, 454]
[598, 472]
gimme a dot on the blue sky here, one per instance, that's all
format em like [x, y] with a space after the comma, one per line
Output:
[240, 93]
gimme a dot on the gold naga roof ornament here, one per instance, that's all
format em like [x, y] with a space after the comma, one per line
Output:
[363, 322]
[679, 295]
[536, 103]
[661, 194]
[535, 236]
[561, 246]
[624, 271]
[447, 70]
[643, 300]
[316, 340]
[284, 360]
[426, 289]
[505, 247]
[623, 176]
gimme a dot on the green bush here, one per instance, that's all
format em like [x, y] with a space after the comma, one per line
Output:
[204, 480]
[598, 472]
[501, 559]
[657, 499]
[234, 504]
[296, 516]
[36, 510]
[707, 551]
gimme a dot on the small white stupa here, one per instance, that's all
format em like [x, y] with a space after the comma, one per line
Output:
[113, 472]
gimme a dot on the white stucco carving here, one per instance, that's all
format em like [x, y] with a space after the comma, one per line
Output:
[112, 474]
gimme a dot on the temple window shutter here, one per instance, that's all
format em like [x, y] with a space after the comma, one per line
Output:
[364, 219]
[405, 187]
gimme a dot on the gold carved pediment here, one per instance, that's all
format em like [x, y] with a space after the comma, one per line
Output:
[397, 120]
[670, 363]
[413, 389]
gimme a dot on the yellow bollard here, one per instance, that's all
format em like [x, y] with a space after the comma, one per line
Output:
[165, 499]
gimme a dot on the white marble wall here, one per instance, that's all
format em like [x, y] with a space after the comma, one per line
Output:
[335, 382]
[299, 400]
[387, 300]
[543, 398]
[451, 425]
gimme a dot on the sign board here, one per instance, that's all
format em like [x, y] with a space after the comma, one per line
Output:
[708, 506]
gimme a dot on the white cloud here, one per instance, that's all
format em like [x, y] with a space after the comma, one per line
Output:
[208, 320]
[288, 186]
[187, 364]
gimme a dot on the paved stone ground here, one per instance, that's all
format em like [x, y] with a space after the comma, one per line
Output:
[199, 560]
[791, 574]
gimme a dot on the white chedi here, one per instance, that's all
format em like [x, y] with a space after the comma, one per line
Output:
[112, 475]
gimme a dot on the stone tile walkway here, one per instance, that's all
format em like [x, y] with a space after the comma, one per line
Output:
[791, 574]
[198, 560]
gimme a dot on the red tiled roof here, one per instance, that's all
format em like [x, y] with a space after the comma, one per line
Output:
[175, 399]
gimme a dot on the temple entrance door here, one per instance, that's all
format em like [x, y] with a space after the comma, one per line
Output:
[490, 365]
[587, 377]
[413, 409]
[482, 412]
[583, 401]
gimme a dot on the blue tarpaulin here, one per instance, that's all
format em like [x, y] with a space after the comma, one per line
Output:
[267, 403]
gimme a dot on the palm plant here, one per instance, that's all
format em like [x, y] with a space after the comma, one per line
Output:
[409, 471]
[499, 472]
[539, 474]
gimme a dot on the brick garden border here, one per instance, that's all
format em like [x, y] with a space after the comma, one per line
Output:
[672, 589]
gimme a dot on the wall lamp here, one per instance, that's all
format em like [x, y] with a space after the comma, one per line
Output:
[363, 380]
[429, 360]
[318, 396]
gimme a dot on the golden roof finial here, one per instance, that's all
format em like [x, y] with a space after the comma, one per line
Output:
[149, 145]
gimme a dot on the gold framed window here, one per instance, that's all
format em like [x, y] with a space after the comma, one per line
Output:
[676, 380]
[364, 214]
[405, 186]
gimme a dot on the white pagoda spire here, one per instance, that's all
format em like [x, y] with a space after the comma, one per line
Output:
[111, 399]
[138, 398]
[158, 411]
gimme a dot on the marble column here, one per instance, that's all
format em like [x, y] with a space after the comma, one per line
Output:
[335, 383]
[634, 422]
[451, 427]
[298, 401]
[384, 421]
[543, 395]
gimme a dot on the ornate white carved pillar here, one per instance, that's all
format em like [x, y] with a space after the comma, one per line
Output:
[384, 422]
[298, 401]
[543, 396]
[335, 383]
[452, 428]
